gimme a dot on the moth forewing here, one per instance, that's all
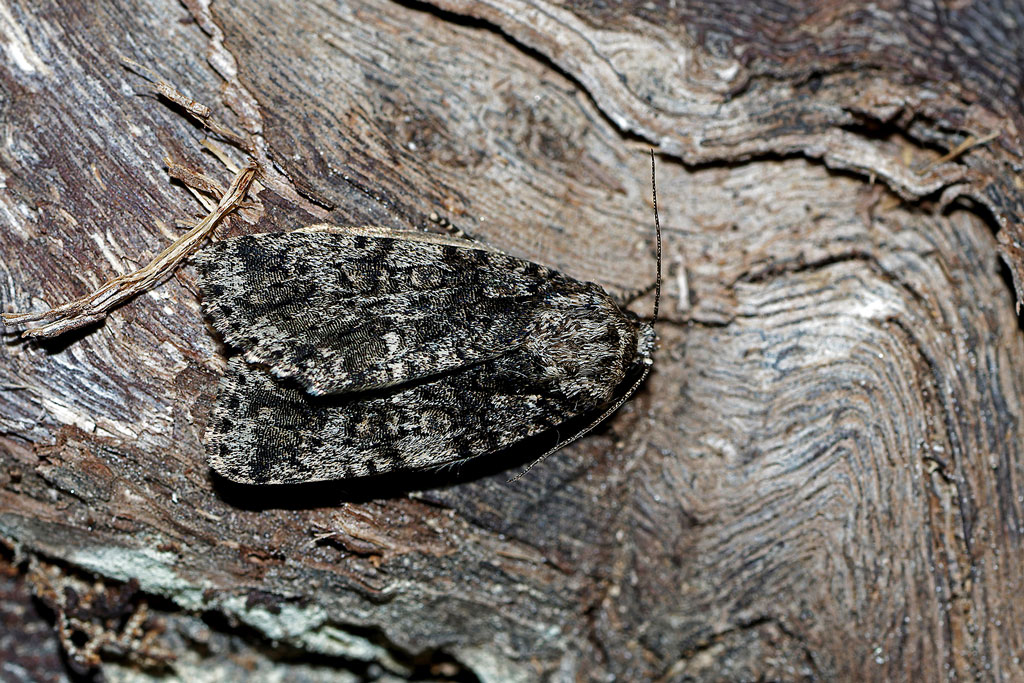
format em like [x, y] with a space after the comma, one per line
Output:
[350, 337]
[370, 350]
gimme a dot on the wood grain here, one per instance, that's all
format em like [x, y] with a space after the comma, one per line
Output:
[822, 477]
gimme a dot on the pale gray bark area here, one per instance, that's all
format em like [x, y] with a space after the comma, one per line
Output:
[822, 477]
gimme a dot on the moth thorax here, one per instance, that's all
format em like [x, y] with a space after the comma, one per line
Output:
[584, 345]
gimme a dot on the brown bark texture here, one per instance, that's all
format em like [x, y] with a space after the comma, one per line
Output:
[821, 479]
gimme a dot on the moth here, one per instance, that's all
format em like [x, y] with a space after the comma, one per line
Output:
[368, 350]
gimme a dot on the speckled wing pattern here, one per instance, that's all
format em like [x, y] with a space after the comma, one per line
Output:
[365, 350]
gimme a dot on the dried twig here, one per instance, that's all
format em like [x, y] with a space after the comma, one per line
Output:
[200, 112]
[94, 307]
[194, 180]
[969, 143]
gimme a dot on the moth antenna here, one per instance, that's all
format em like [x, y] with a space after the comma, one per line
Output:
[657, 230]
[647, 368]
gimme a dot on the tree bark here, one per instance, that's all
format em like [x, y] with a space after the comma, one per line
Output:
[821, 478]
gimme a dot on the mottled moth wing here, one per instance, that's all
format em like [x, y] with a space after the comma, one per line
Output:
[368, 353]
[345, 311]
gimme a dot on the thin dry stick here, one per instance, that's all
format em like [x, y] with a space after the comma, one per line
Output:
[94, 307]
[194, 180]
[970, 143]
[200, 112]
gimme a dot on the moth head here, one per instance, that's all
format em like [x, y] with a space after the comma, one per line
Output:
[646, 342]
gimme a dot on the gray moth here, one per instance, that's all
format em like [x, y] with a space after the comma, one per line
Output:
[366, 350]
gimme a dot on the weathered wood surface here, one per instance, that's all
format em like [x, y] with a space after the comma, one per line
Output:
[822, 477]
